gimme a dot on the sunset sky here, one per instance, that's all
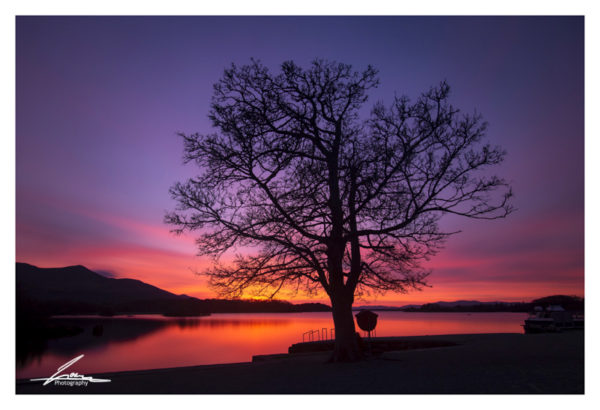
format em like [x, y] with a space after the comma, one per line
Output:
[100, 100]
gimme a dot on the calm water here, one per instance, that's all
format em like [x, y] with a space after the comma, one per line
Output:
[148, 342]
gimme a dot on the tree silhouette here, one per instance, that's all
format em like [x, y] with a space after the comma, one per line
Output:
[321, 198]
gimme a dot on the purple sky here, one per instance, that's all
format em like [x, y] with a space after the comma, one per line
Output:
[100, 99]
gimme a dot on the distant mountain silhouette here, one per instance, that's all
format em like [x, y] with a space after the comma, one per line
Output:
[78, 290]
[465, 303]
[568, 302]
[440, 304]
[380, 307]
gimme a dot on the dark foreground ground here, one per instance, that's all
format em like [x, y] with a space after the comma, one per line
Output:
[486, 363]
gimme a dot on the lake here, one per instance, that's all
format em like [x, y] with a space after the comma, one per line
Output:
[152, 341]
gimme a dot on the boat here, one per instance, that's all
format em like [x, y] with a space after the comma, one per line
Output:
[552, 319]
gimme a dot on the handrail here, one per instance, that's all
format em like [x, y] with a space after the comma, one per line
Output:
[318, 335]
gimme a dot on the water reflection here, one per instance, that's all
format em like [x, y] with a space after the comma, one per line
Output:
[97, 332]
[145, 342]
[93, 334]
[215, 323]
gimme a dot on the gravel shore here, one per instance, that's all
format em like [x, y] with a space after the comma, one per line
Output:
[482, 363]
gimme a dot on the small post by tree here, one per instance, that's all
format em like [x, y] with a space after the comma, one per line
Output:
[324, 198]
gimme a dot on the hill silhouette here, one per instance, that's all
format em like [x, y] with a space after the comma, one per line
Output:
[78, 290]
[574, 303]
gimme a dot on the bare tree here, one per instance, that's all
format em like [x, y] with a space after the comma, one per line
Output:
[325, 199]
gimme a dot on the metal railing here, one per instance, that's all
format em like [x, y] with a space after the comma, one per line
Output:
[328, 334]
[318, 335]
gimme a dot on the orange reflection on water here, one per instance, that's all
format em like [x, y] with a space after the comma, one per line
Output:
[158, 342]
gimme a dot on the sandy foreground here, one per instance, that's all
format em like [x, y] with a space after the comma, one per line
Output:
[483, 363]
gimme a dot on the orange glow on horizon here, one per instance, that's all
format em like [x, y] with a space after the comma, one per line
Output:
[150, 253]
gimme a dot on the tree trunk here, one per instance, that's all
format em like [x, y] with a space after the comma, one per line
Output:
[346, 347]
